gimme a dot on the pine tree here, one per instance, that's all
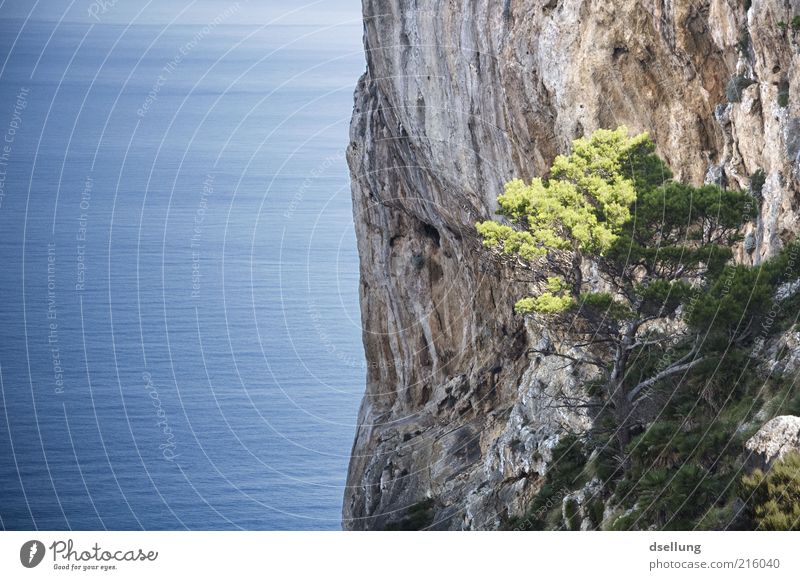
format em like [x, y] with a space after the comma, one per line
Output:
[659, 252]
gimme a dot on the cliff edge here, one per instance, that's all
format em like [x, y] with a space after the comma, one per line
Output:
[459, 420]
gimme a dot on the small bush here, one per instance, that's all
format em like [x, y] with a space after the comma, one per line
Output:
[775, 496]
[791, 405]
[605, 466]
[719, 518]
[796, 23]
[757, 181]
[744, 41]
[419, 516]
[572, 513]
[735, 87]
[568, 467]
[626, 522]
[783, 94]
[596, 510]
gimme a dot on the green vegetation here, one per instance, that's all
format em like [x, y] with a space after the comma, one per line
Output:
[582, 206]
[671, 336]
[775, 496]
[555, 299]
[743, 43]
[418, 517]
[572, 515]
[794, 24]
[684, 467]
[783, 94]
[757, 181]
[683, 471]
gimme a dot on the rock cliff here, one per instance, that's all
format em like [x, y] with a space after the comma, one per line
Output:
[459, 418]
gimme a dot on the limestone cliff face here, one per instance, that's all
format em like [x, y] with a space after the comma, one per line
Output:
[459, 97]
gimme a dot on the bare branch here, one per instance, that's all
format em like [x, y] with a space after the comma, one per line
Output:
[593, 342]
[668, 372]
[651, 342]
[577, 406]
[574, 359]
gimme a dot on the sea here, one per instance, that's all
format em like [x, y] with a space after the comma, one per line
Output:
[180, 336]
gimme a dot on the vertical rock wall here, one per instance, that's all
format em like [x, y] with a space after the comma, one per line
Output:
[459, 418]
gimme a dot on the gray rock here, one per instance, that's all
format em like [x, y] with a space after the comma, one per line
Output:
[749, 242]
[716, 176]
[787, 290]
[793, 139]
[775, 439]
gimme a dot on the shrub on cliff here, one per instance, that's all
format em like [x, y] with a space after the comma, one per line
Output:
[418, 517]
[774, 497]
[783, 94]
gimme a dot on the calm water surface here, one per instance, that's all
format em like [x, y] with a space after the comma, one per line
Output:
[179, 328]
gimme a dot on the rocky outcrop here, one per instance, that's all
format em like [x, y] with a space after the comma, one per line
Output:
[783, 355]
[460, 97]
[775, 439]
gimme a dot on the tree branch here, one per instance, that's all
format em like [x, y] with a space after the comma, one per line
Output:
[653, 342]
[589, 361]
[668, 372]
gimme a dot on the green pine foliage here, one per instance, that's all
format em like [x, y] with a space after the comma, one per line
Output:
[738, 306]
[613, 199]
[582, 205]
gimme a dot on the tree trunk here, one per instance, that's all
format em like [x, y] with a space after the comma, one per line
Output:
[622, 415]
[577, 271]
[617, 395]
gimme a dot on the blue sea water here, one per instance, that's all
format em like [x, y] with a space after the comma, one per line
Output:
[180, 342]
